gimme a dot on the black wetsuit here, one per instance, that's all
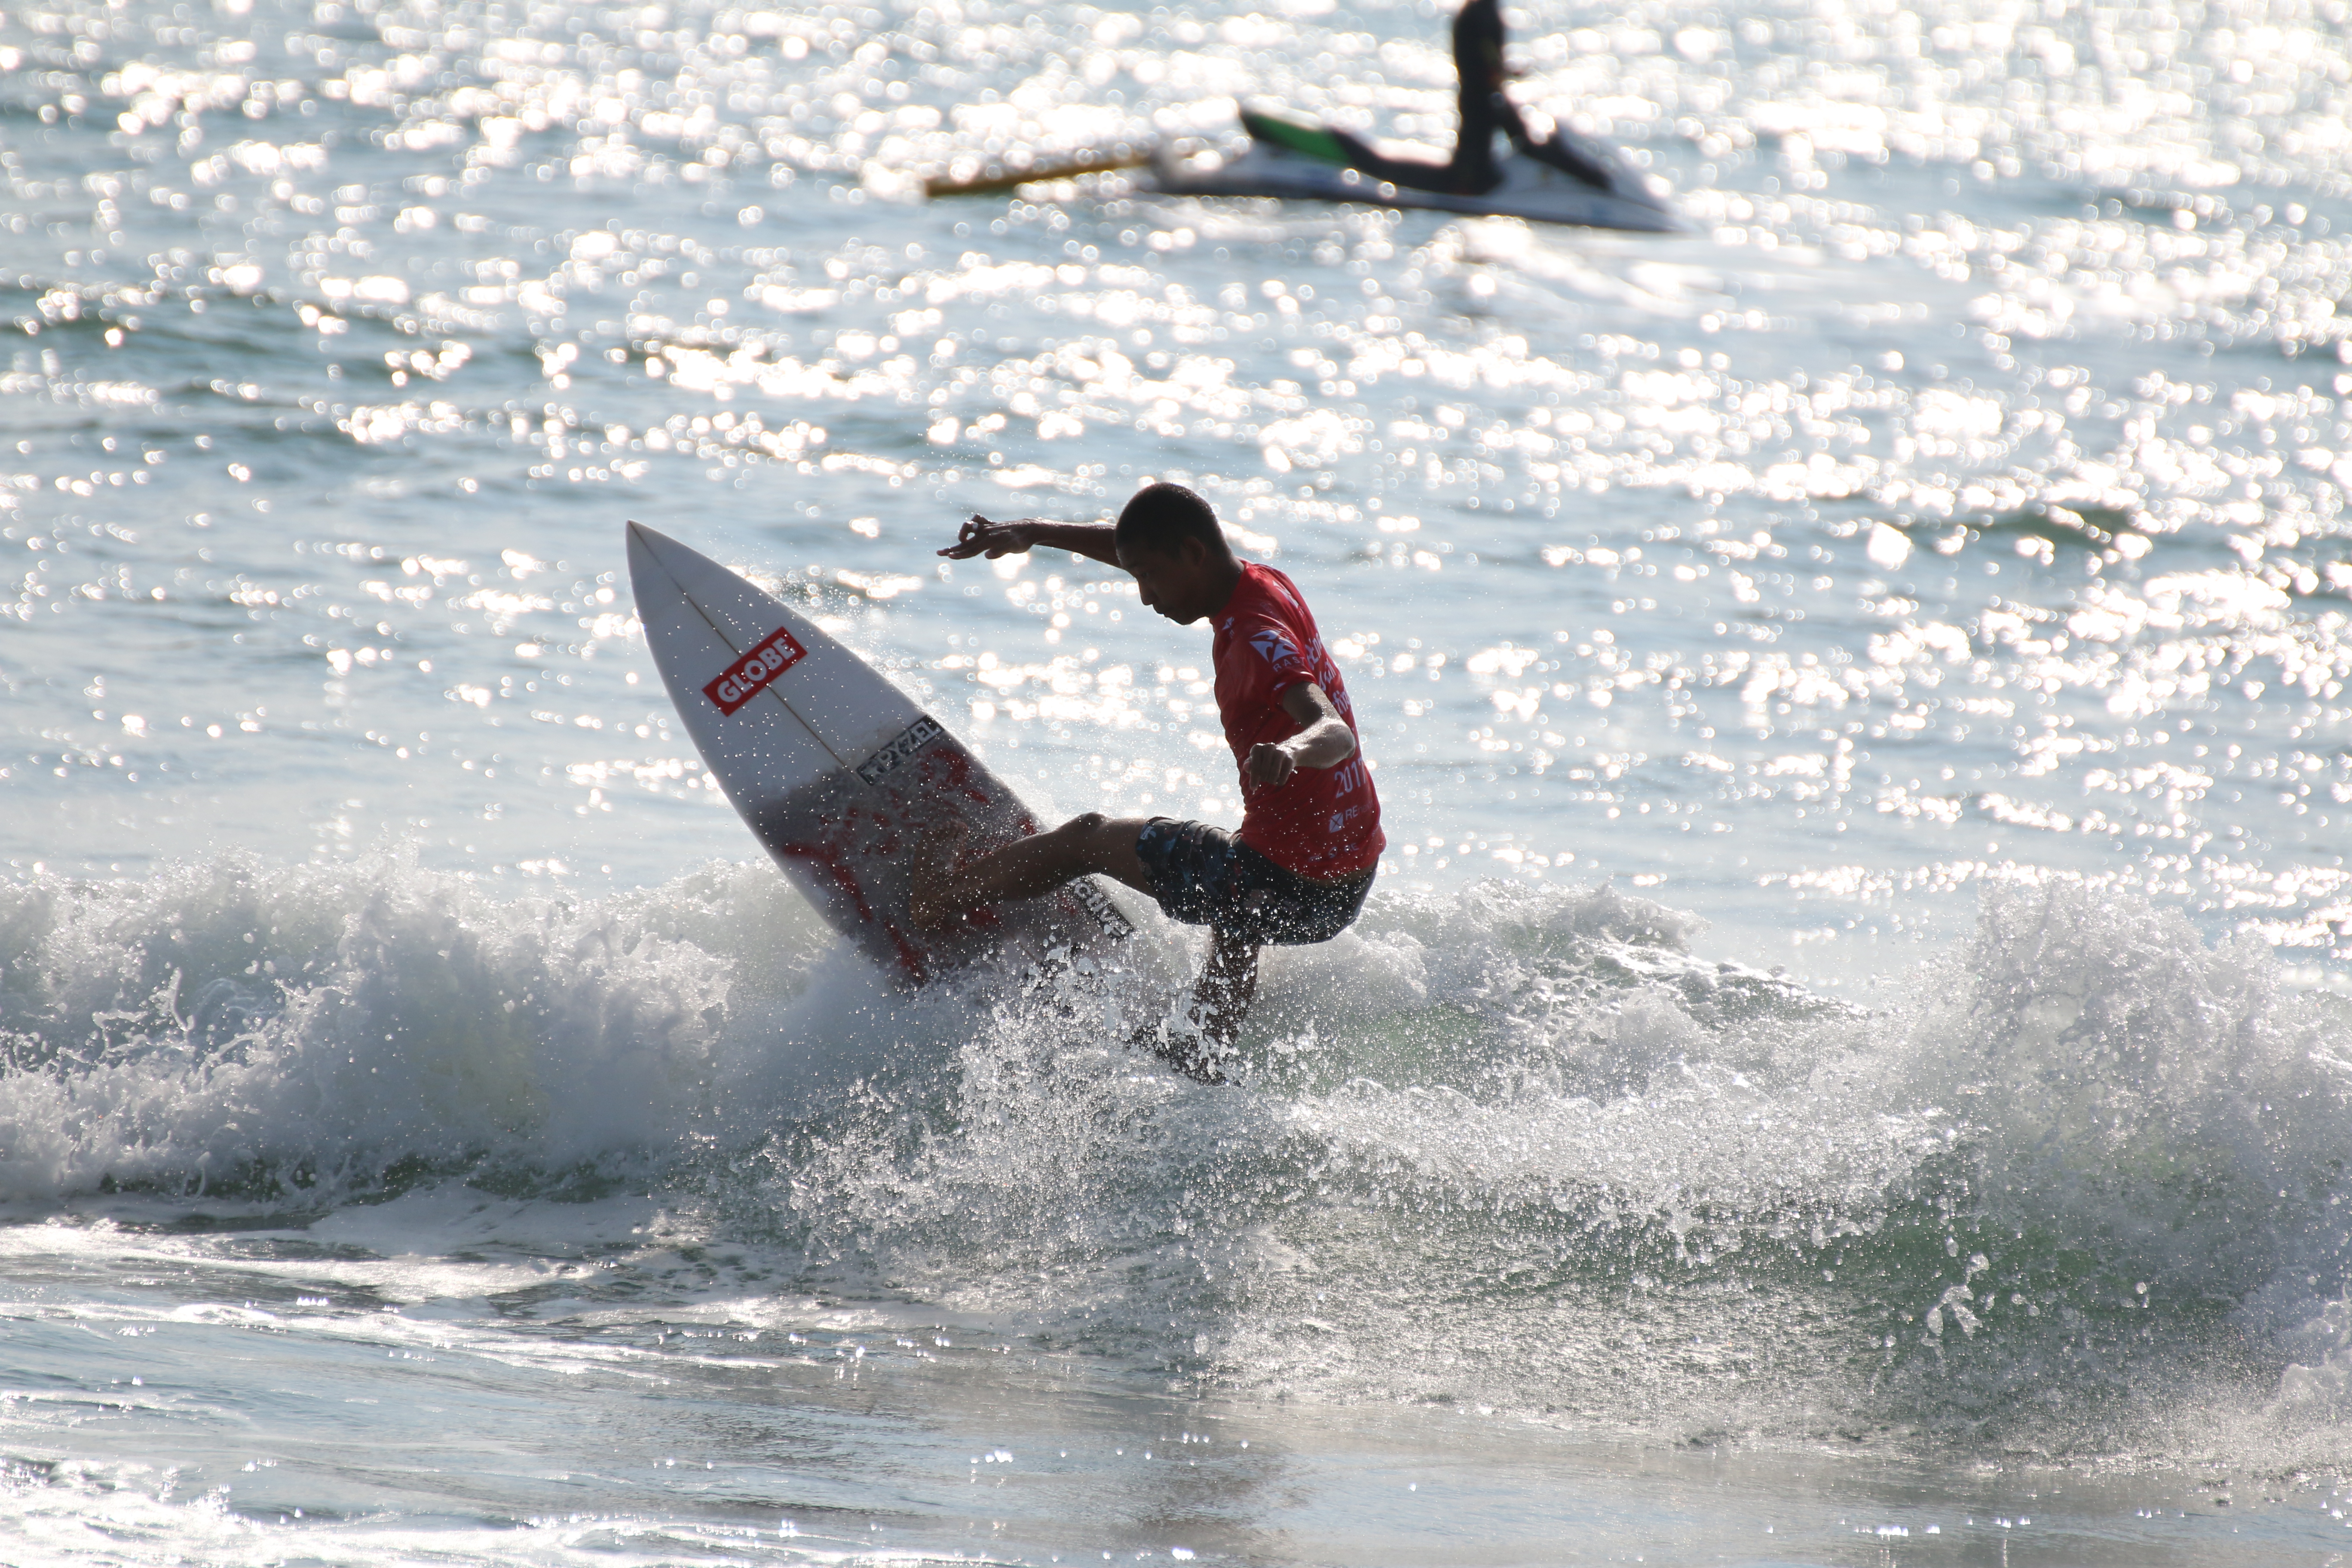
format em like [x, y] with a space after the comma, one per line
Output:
[1479, 97]
[1484, 110]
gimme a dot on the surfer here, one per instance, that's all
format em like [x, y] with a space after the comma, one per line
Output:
[1484, 110]
[1311, 838]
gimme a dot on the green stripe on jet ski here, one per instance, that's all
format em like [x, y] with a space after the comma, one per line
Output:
[1311, 140]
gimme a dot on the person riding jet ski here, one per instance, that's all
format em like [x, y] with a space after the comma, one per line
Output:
[1484, 110]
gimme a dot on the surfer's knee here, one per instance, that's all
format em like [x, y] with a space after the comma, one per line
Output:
[1077, 838]
[1081, 830]
[1098, 842]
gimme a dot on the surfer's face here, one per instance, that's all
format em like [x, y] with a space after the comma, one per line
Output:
[1181, 584]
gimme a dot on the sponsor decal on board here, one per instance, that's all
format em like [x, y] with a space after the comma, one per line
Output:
[748, 675]
[907, 742]
[1098, 904]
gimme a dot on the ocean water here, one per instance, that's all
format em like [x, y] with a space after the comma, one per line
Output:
[1850, 1059]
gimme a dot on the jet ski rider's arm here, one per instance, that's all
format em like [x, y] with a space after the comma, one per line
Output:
[981, 536]
[1506, 115]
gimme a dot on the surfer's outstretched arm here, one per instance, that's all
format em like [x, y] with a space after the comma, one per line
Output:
[985, 536]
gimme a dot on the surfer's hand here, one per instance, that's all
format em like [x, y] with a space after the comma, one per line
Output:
[1271, 765]
[980, 536]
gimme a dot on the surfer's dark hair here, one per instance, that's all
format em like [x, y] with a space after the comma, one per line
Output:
[1162, 516]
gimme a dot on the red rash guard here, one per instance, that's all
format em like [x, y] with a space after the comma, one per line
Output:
[1325, 822]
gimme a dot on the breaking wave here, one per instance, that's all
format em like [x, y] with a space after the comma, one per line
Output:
[2076, 1187]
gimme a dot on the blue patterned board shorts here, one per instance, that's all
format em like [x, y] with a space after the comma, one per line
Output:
[1203, 876]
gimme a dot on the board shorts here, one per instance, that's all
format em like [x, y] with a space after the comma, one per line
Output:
[1203, 876]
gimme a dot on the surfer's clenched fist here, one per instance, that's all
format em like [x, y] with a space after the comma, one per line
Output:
[985, 536]
[1324, 740]
[1311, 837]
[1270, 766]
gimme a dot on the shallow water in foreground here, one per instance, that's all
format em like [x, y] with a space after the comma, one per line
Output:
[1850, 1039]
[640, 1412]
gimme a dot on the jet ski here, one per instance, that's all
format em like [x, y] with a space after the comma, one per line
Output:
[1300, 162]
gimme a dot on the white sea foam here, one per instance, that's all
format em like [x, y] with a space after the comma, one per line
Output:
[2086, 1100]
[224, 1022]
[1624, 1189]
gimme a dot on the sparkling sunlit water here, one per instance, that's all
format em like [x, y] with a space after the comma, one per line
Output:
[1929, 580]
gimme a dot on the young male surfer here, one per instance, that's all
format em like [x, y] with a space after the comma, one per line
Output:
[1311, 836]
[1485, 111]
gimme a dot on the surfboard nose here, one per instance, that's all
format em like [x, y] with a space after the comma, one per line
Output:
[645, 547]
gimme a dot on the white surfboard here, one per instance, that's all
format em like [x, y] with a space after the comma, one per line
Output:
[837, 772]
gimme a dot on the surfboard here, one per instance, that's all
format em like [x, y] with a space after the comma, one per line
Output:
[1302, 162]
[838, 773]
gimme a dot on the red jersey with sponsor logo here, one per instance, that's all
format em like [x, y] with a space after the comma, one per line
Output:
[1325, 822]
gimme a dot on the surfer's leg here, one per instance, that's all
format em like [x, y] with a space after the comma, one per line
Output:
[1201, 1040]
[1228, 985]
[1025, 869]
[1198, 1042]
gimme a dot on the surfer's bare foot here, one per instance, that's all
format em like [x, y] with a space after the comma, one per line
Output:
[1188, 1054]
[932, 902]
[1191, 1058]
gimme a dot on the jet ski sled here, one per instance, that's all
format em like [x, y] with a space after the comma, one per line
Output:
[1295, 160]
